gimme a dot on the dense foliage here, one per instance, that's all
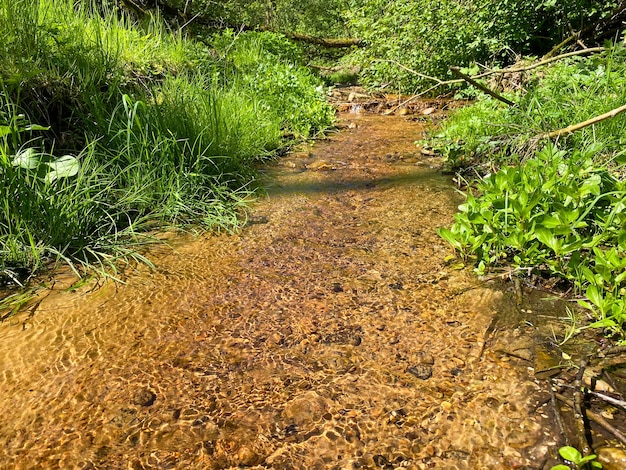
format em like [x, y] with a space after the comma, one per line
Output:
[409, 44]
[109, 127]
[569, 91]
[553, 209]
[428, 36]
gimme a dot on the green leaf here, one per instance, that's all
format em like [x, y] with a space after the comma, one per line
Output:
[585, 304]
[587, 274]
[560, 467]
[587, 458]
[36, 127]
[63, 167]
[546, 237]
[28, 158]
[605, 323]
[570, 453]
[594, 296]
[451, 238]
[621, 158]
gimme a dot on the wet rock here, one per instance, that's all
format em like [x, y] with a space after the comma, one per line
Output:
[348, 335]
[455, 454]
[246, 457]
[612, 458]
[337, 287]
[524, 353]
[421, 371]
[425, 358]
[306, 409]
[321, 165]
[291, 430]
[262, 219]
[546, 364]
[380, 460]
[275, 338]
[144, 397]
[456, 371]
[446, 406]
[492, 402]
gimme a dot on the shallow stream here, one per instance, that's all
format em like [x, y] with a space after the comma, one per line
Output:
[329, 333]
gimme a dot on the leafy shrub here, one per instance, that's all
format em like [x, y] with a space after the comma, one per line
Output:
[429, 36]
[558, 213]
[284, 88]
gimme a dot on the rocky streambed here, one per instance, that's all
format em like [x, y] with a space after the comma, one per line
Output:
[330, 333]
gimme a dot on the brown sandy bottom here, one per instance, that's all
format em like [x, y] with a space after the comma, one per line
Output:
[328, 334]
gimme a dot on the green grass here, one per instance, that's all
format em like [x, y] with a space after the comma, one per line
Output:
[111, 129]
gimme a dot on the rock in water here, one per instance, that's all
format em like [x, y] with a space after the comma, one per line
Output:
[421, 371]
[144, 397]
[612, 458]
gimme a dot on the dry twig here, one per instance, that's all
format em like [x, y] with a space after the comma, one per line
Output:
[609, 399]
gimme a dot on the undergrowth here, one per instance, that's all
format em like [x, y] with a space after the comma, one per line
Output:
[550, 208]
[110, 129]
[573, 90]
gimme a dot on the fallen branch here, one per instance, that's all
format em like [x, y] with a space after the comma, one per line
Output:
[471, 81]
[488, 332]
[417, 96]
[325, 42]
[541, 63]
[579, 412]
[613, 351]
[557, 414]
[513, 69]
[414, 72]
[581, 125]
[561, 45]
[596, 418]
[609, 399]
[615, 18]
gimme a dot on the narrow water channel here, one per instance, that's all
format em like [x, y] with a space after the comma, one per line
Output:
[328, 334]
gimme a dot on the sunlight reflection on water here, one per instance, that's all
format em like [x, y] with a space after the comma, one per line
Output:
[328, 334]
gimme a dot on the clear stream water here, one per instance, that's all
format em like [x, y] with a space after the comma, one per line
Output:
[329, 333]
